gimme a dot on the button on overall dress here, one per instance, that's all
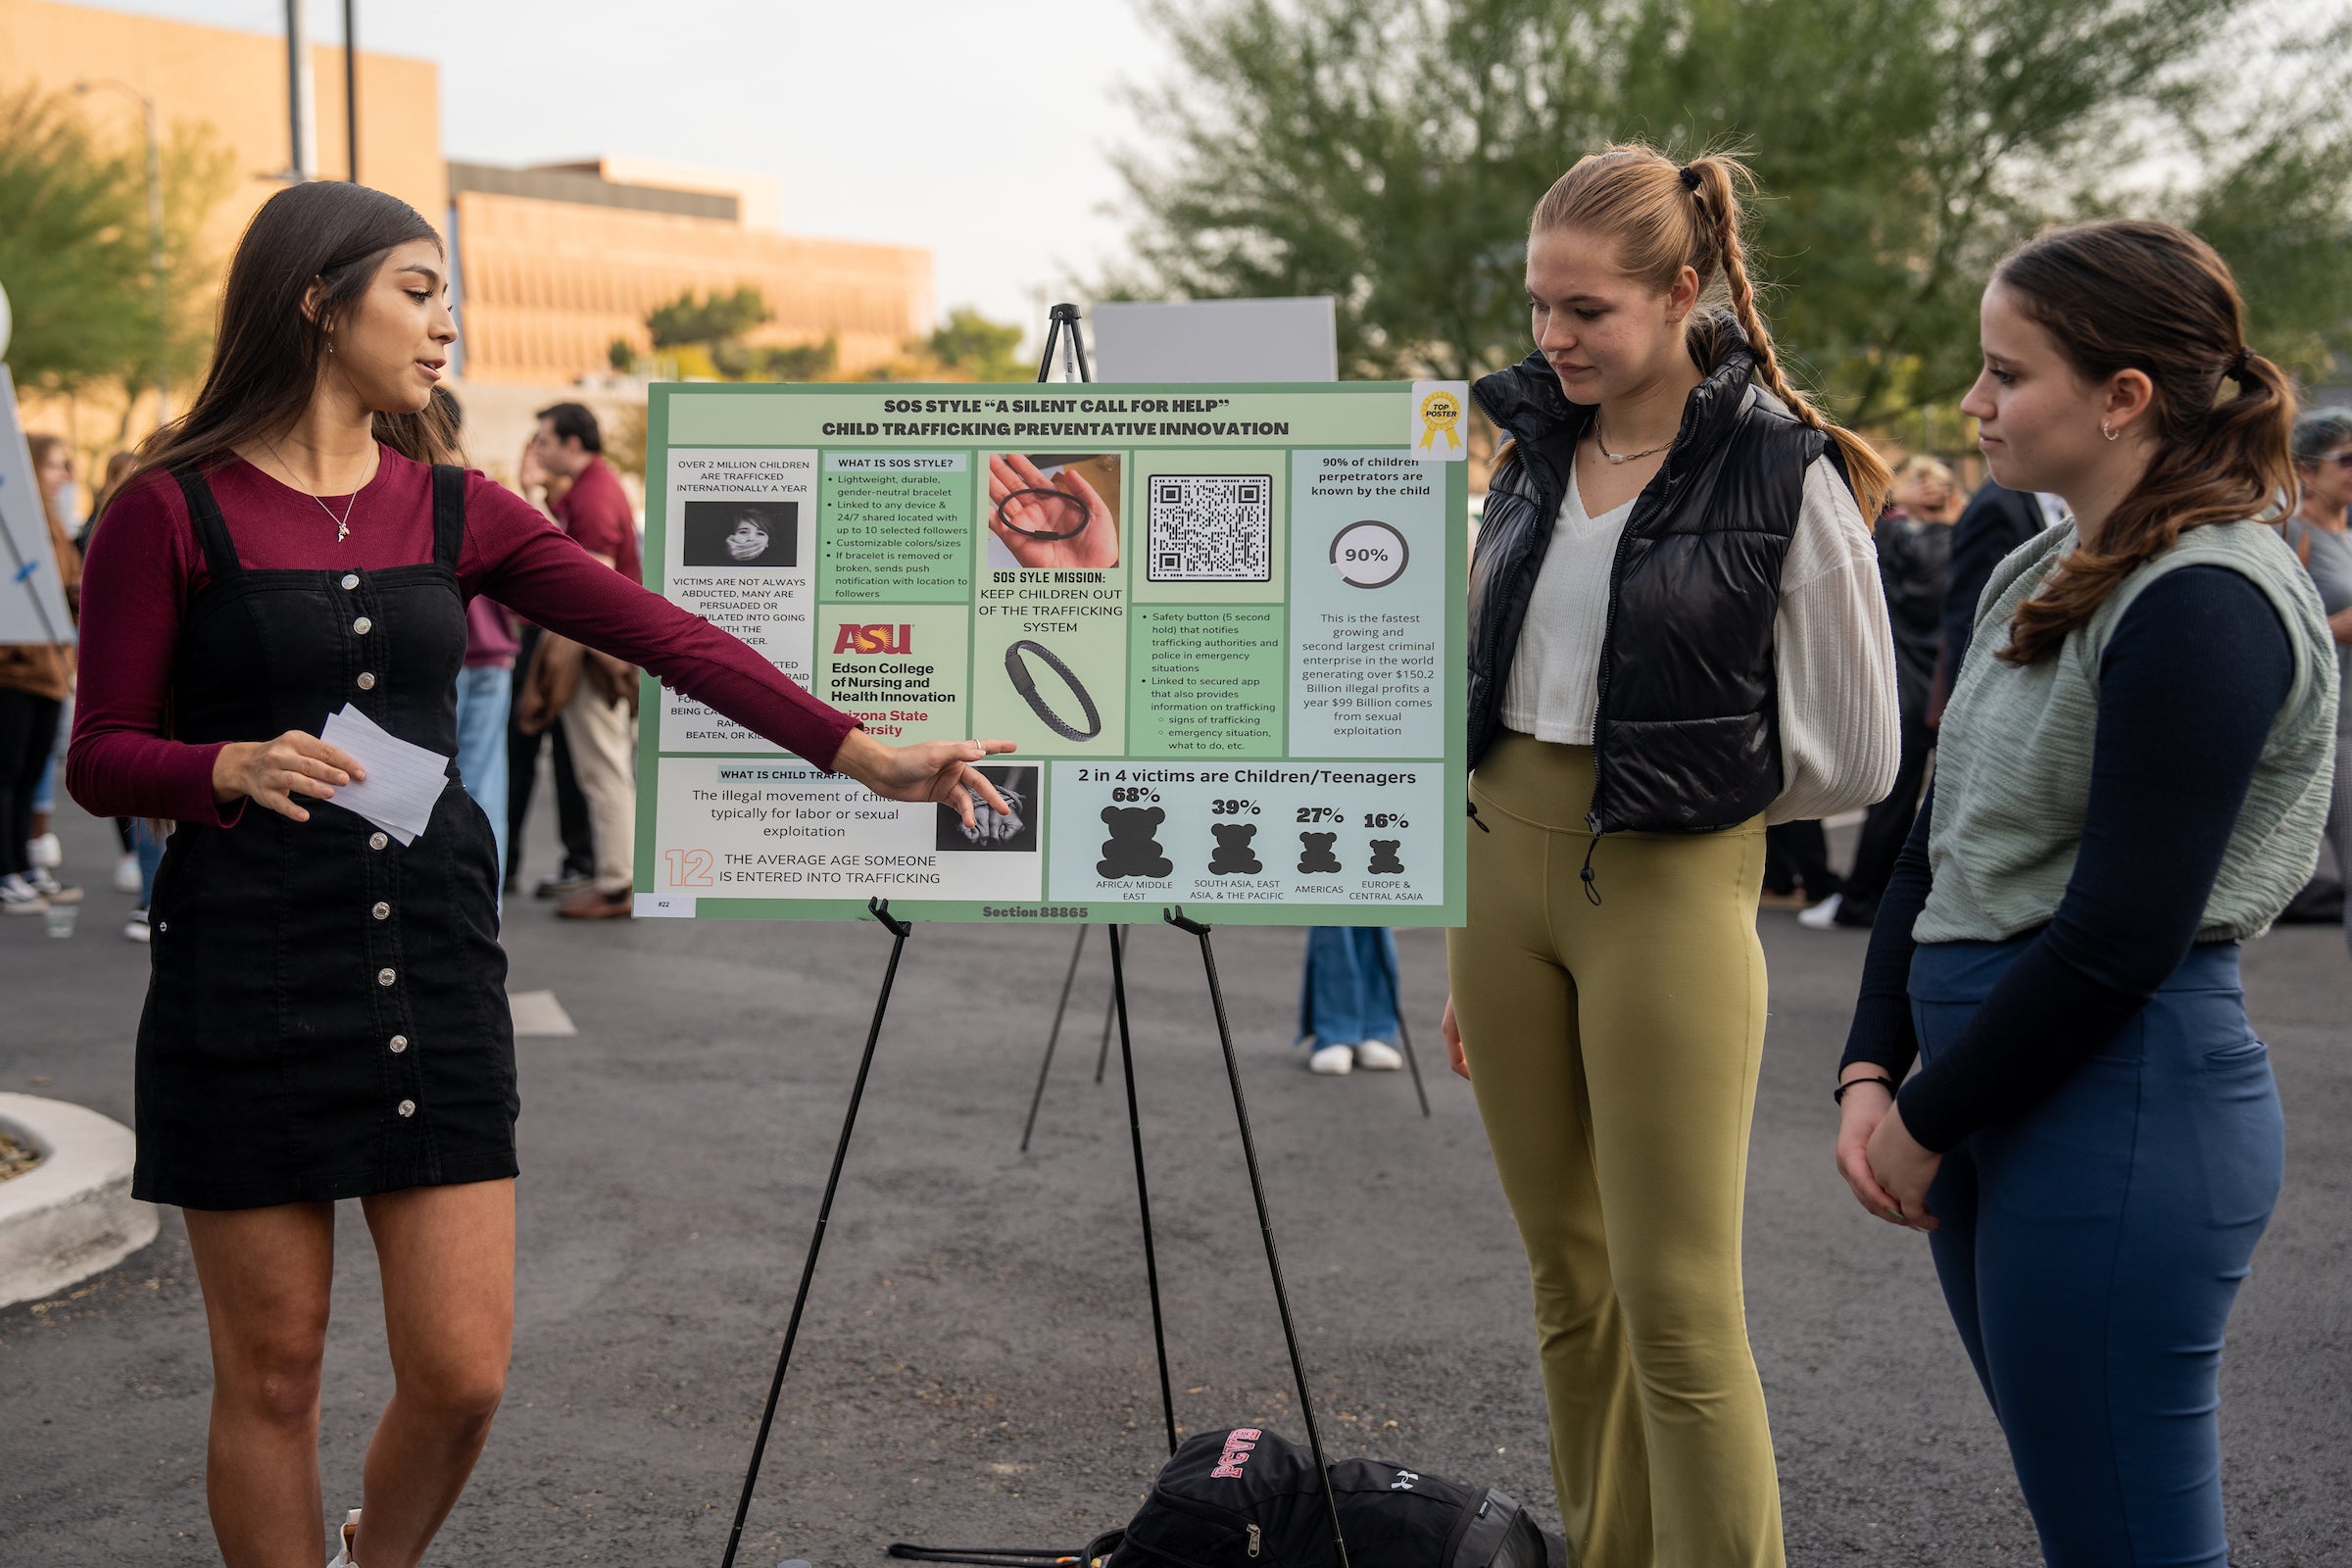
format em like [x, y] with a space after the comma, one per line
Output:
[326, 1016]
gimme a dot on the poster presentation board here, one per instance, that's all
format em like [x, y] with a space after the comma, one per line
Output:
[32, 600]
[1224, 625]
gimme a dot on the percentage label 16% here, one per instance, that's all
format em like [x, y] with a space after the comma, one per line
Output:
[1385, 819]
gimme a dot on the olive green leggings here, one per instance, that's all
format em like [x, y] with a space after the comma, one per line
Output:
[1613, 1048]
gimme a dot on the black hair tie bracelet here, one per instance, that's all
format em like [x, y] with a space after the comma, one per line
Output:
[1026, 684]
[1085, 512]
[1837, 1094]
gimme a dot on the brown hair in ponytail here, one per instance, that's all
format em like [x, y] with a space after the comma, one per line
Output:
[1666, 217]
[2124, 295]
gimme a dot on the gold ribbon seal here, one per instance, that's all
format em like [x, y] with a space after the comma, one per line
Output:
[1441, 415]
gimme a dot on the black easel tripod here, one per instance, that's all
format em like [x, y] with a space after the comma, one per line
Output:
[899, 930]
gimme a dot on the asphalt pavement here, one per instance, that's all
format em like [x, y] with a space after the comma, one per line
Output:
[976, 1365]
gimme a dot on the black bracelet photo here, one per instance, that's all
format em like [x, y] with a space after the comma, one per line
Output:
[1025, 683]
[1085, 512]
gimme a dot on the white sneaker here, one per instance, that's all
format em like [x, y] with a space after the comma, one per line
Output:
[16, 897]
[1378, 1055]
[127, 875]
[1822, 917]
[1333, 1062]
[137, 929]
[47, 887]
[343, 1558]
[45, 852]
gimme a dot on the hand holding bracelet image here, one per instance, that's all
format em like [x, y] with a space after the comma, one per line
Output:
[1053, 521]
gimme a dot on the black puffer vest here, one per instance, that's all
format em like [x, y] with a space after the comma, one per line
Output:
[1686, 734]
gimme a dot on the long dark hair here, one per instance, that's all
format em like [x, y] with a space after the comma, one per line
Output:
[2126, 294]
[266, 353]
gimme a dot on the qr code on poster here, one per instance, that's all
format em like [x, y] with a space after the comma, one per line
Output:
[1211, 527]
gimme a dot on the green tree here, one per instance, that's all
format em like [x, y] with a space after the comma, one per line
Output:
[793, 362]
[76, 250]
[970, 344]
[708, 319]
[1387, 152]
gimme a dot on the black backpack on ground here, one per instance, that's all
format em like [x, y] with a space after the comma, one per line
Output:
[1249, 1499]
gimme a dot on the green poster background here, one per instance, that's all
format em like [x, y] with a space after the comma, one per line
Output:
[1193, 680]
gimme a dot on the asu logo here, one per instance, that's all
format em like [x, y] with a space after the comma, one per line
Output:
[1239, 1443]
[878, 639]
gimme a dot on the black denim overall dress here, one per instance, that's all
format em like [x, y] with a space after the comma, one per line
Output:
[326, 1016]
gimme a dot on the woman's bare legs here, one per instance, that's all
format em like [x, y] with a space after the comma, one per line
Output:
[267, 1274]
[448, 1260]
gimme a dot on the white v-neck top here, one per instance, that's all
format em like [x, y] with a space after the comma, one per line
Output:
[1832, 650]
[1555, 686]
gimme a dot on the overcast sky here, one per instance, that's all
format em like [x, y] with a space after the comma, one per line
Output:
[979, 129]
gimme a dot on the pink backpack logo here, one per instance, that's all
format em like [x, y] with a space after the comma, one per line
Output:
[1237, 1446]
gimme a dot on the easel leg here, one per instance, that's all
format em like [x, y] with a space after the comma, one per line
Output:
[1052, 1039]
[1265, 1223]
[1404, 1034]
[1143, 1191]
[880, 909]
[1103, 1056]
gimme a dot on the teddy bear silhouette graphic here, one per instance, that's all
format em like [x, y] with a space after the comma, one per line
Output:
[1133, 848]
[1233, 856]
[1314, 854]
[1383, 858]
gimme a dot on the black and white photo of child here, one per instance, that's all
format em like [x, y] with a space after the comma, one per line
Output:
[991, 829]
[742, 533]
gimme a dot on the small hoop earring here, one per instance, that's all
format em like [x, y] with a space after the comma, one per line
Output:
[330, 348]
[2103, 427]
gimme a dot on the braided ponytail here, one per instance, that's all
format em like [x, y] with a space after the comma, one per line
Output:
[1666, 217]
[1716, 190]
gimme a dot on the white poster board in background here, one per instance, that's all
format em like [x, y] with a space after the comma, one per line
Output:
[1217, 340]
[32, 602]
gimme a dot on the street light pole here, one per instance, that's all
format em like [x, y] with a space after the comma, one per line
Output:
[154, 225]
[301, 110]
[351, 86]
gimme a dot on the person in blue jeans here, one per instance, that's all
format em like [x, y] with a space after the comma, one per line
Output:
[2131, 780]
[1347, 999]
[485, 691]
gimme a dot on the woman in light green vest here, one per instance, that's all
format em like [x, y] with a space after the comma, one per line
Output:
[2134, 773]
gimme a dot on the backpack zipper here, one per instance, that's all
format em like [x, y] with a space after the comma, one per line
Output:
[1254, 1541]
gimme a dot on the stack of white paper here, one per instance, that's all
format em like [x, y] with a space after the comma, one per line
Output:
[403, 780]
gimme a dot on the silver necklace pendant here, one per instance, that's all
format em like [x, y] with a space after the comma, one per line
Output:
[343, 528]
[1602, 447]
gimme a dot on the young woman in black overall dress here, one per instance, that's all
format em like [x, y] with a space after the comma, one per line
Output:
[326, 1017]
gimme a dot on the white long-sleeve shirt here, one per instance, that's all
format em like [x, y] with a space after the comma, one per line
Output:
[1832, 651]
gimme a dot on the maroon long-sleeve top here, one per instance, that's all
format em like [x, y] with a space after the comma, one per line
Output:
[145, 568]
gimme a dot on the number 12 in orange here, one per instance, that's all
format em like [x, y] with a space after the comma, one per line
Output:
[690, 869]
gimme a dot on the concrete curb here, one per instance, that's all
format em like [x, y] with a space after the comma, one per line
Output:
[72, 1216]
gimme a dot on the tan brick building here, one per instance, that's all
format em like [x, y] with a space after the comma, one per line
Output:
[552, 263]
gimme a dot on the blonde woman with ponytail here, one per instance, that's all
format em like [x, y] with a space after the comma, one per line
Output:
[1677, 636]
[2131, 778]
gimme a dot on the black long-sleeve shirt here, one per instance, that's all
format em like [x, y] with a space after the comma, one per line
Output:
[2189, 685]
[1994, 522]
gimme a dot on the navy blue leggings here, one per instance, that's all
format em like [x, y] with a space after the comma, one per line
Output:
[2090, 1249]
